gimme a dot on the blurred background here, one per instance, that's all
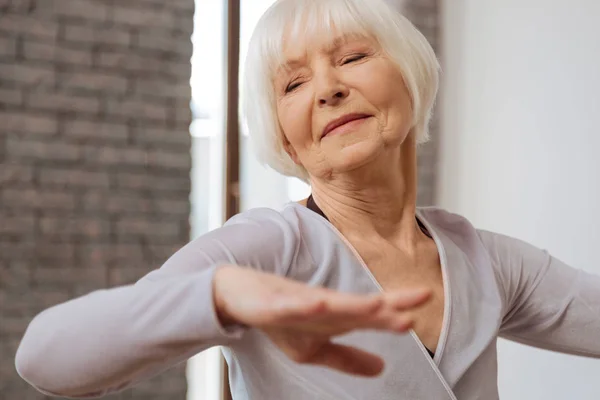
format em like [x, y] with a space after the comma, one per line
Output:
[119, 143]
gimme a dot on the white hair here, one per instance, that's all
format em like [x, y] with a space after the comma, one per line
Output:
[402, 42]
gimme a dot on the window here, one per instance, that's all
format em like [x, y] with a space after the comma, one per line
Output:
[260, 186]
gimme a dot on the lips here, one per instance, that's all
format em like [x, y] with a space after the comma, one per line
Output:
[336, 123]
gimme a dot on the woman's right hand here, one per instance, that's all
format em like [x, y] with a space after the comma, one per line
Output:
[301, 320]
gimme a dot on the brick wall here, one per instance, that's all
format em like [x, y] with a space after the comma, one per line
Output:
[94, 157]
[424, 14]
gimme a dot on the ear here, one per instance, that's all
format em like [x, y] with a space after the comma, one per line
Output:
[287, 146]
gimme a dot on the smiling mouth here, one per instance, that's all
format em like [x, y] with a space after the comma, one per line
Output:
[344, 124]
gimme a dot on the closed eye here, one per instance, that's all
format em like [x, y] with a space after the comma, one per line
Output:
[292, 86]
[353, 58]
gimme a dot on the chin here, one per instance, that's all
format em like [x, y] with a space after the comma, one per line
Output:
[356, 155]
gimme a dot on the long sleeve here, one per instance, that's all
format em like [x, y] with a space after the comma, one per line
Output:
[111, 339]
[548, 304]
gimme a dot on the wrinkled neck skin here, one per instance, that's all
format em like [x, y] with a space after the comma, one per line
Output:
[376, 200]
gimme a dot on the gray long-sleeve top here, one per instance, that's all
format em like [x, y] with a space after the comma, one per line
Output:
[494, 286]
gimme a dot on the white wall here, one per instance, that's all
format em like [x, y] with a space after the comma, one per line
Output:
[520, 151]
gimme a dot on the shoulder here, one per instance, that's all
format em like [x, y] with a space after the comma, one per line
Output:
[485, 250]
[499, 246]
[312, 245]
[263, 238]
[284, 237]
[506, 255]
[260, 217]
[257, 227]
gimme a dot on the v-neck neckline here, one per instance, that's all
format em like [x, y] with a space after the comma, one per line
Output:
[435, 361]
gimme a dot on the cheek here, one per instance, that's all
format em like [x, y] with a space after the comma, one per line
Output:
[394, 100]
[294, 119]
[401, 96]
[390, 89]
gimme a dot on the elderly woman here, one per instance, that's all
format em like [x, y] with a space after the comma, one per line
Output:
[353, 293]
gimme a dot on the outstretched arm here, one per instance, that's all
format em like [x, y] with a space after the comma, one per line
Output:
[110, 339]
[548, 304]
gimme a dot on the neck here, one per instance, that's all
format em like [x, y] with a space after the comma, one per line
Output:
[378, 199]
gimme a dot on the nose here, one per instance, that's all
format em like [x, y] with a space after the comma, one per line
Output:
[333, 97]
[332, 91]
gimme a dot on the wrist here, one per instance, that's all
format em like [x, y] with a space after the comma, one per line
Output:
[220, 304]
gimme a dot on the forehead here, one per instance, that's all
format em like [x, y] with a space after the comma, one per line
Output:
[293, 28]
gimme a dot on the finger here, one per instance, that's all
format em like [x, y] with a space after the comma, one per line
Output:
[391, 315]
[344, 304]
[351, 304]
[349, 360]
[343, 312]
[336, 320]
[325, 311]
[388, 320]
[327, 305]
[287, 308]
[408, 299]
[401, 324]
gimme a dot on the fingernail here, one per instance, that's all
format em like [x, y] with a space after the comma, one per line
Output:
[402, 325]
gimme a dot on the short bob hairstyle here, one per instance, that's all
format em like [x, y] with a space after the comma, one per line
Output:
[402, 42]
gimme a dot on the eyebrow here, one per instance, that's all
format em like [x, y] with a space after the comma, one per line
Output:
[337, 42]
[291, 64]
